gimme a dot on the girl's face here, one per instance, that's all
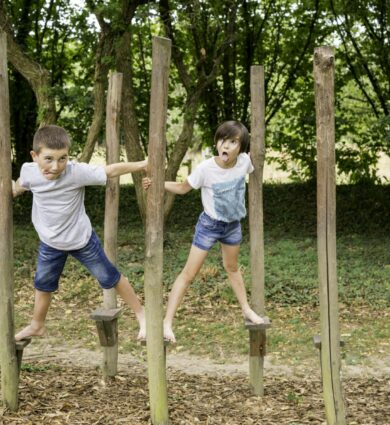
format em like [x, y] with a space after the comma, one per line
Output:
[228, 151]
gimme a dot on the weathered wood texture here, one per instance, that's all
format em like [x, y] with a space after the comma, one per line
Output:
[154, 232]
[8, 359]
[326, 231]
[257, 150]
[20, 346]
[110, 351]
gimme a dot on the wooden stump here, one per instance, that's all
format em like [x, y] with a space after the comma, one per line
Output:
[107, 325]
[20, 346]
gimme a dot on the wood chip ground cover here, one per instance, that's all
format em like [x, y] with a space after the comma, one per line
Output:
[73, 395]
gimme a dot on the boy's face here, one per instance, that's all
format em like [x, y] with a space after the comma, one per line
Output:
[228, 150]
[51, 162]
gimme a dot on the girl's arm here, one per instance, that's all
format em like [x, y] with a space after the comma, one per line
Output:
[120, 168]
[180, 188]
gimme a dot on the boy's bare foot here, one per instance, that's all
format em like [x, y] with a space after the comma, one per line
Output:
[30, 331]
[168, 333]
[250, 315]
[142, 325]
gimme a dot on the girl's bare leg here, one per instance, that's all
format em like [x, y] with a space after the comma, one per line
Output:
[37, 325]
[230, 263]
[195, 260]
[127, 293]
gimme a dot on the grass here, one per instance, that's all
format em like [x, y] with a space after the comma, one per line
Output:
[209, 322]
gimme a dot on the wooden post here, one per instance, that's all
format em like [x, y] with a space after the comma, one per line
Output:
[257, 149]
[326, 232]
[154, 232]
[8, 359]
[110, 354]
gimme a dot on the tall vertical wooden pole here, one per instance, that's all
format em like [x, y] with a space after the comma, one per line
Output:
[326, 233]
[257, 150]
[110, 354]
[8, 359]
[154, 232]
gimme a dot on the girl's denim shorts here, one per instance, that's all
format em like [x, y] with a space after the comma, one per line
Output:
[51, 263]
[208, 231]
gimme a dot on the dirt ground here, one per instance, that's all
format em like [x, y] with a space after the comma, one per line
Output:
[63, 385]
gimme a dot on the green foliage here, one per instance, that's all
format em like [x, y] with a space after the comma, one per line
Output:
[280, 35]
[30, 368]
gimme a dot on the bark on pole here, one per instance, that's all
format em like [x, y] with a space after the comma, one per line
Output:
[8, 359]
[110, 354]
[257, 150]
[324, 70]
[154, 232]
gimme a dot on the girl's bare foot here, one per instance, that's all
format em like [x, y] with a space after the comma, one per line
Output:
[168, 333]
[30, 331]
[251, 316]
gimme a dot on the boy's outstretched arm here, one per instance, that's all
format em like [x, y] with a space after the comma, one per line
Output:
[17, 189]
[120, 168]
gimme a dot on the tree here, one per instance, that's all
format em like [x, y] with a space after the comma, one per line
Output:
[363, 29]
[197, 57]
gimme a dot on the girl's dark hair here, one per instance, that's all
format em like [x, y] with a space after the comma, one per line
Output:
[52, 137]
[232, 130]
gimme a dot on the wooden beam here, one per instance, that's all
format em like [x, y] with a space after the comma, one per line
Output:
[256, 232]
[154, 232]
[110, 353]
[324, 69]
[8, 359]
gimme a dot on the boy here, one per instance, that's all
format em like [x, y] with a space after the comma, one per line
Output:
[63, 227]
[222, 183]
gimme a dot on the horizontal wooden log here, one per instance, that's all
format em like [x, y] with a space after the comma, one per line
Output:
[106, 314]
[258, 326]
[22, 343]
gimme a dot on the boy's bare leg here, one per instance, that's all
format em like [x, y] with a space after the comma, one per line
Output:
[126, 291]
[37, 325]
[195, 260]
[230, 263]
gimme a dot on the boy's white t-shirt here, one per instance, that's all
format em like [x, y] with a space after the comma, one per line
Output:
[58, 211]
[222, 189]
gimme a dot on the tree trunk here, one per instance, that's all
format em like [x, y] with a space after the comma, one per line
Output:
[134, 151]
[37, 76]
[99, 88]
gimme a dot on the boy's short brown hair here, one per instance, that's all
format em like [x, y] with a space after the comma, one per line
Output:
[232, 130]
[52, 137]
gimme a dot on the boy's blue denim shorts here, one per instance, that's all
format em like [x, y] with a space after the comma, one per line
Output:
[208, 231]
[51, 262]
